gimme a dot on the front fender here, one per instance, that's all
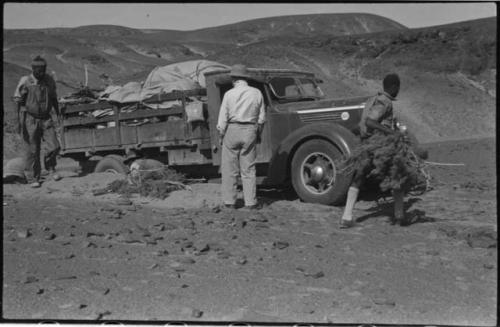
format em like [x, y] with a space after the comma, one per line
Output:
[338, 135]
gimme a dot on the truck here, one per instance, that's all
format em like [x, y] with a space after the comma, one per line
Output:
[305, 138]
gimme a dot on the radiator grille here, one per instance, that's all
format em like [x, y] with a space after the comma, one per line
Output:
[317, 117]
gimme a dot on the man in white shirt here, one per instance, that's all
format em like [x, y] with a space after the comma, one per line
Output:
[241, 118]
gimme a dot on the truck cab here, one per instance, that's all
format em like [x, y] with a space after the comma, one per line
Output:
[305, 135]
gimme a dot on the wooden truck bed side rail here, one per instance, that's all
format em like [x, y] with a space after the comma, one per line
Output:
[137, 114]
[83, 134]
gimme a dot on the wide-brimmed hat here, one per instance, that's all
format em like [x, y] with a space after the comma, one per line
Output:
[239, 70]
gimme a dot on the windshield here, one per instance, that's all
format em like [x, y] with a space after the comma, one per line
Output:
[291, 88]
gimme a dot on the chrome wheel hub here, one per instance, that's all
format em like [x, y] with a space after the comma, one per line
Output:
[318, 173]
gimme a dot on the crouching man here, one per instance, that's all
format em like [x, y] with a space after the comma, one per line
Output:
[377, 120]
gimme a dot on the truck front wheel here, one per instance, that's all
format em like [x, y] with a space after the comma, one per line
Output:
[315, 174]
[111, 164]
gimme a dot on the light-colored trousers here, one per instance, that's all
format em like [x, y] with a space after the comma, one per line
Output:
[238, 157]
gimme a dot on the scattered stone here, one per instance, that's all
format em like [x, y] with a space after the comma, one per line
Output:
[185, 260]
[258, 217]
[153, 266]
[260, 225]
[82, 306]
[89, 245]
[196, 313]
[101, 315]
[203, 248]
[69, 256]
[280, 245]
[317, 275]
[432, 252]
[149, 242]
[100, 191]
[40, 291]
[383, 301]
[242, 261]
[216, 209]
[65, 277]
[50, 236]
[488, 266]
[30, 279]
[223, 255]
[127, 239]
[25, 233]
[187, 244]
[184, 286]
[45, 228]
[123, 202]
[90, 234]
[161, 253]
[159, 227]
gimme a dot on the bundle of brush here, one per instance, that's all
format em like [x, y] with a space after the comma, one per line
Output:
[157, 183]
[395, 163]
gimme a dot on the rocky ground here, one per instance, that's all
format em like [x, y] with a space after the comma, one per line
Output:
[68, 254]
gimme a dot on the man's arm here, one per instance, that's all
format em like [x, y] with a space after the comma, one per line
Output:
[19, 99]
[222, 120]
[371, 123]
[54, 100]
[262, 117]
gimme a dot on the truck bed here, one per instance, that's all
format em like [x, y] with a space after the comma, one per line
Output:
[111, 126]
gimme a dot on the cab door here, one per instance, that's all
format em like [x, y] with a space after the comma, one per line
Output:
[215, 91]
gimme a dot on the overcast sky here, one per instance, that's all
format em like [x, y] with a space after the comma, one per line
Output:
[189, 16]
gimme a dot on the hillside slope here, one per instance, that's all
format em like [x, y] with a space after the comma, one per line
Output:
[448, 72]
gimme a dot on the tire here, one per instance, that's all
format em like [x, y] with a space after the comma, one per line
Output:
[111, 163]
[314, 173]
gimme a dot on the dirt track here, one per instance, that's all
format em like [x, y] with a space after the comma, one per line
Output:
[71, 255]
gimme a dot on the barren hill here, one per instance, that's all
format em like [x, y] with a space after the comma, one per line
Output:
[256, 30]
[448, 72]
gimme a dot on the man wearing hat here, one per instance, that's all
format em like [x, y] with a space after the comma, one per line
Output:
[241, 118]
[35, 96]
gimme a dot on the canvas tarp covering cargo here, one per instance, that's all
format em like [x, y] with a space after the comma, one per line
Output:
[182, 76]
[192, 70]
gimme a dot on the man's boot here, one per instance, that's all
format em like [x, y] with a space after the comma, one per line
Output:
[352, 195]
[399, 211]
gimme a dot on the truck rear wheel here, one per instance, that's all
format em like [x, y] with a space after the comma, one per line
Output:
[315, 175]
[111, 164]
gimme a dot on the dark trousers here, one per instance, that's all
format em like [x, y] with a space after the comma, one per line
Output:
[34, 131]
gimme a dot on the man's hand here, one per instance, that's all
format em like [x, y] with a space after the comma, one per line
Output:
[260, 128]
[19, 121]
[221, 138]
